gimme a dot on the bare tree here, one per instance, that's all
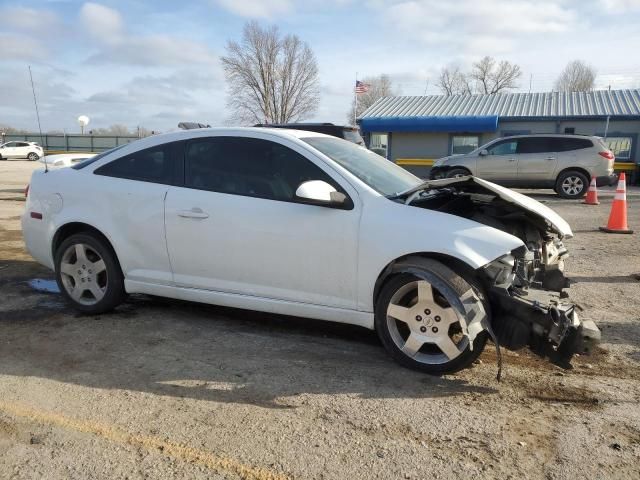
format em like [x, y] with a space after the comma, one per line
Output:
[577, 76]
[379, 87]
[453, 82]
[270, 77]
[492, 77]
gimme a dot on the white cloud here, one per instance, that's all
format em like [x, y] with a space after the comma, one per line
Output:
[620, 6]
[22, 18]
[20, 47]
[103, 23]
[116, 45]
[257, 8]
[477, 27]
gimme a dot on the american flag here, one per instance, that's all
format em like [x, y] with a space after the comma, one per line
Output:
[362, 87]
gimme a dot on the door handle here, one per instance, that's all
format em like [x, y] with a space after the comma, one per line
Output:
[195, 212]
[551, 158]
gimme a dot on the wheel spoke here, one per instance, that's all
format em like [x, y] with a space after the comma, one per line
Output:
[76, 292]
[398, 312]
[68, 269]
[412, 344]
[97, 292]
[448, 316]
[81, 253]
[425, 293]
[99, 266]
[448, 347]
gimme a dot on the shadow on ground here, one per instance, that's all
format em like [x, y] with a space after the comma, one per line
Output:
[182, 349]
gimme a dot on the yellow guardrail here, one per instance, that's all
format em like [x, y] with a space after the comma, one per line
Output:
[620, 166]
[422, 162]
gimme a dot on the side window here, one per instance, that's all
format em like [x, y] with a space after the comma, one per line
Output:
[507, 147]
[248, 166]
[155, 165]
[21, 144]
[560, 144]
[534, 145]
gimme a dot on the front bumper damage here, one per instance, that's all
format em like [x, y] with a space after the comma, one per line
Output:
[529, 308]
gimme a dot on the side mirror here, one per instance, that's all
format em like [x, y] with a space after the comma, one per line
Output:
[318, 192]
[484, 153]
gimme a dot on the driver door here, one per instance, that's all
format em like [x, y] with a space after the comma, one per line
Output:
[9, 150]
[236, 226]
[500, 164]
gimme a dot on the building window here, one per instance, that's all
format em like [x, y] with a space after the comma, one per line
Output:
[570, 130]
[464, 143]
[620, 146]
[379, 144]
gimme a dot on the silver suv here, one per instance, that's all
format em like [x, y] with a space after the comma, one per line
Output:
[565, 163]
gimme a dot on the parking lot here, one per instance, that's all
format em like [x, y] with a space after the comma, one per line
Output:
[167, 389]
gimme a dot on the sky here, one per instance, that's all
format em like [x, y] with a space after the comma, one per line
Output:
[156, 63]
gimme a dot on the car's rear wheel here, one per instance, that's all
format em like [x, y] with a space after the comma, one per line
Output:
[572, 184]
[418, 320]
[33, 156]
[458, 172]
[88, 274]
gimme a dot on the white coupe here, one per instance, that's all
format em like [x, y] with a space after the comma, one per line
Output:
[304, 224]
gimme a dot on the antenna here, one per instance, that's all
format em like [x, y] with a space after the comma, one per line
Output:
[35, 102]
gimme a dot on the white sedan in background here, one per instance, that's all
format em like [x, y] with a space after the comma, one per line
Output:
[29, 150]
[300, 223]
[65, 159]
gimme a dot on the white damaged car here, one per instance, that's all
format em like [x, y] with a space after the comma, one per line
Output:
[300, 223]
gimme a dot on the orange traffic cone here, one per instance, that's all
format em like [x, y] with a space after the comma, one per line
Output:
[618, 216]
[592, 193]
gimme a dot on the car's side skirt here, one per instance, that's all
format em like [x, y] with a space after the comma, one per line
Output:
[260, 304]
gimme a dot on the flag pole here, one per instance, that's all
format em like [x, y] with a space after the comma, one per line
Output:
[355, 96]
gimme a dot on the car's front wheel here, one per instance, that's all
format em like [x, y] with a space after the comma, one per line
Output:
[572, 184]
[418, 317]
[458, 172]
[33, 156]
[88, 274]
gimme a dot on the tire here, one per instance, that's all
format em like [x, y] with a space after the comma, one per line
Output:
[572, 184]
[458, 172]
[2, 158]
[421, 316]
[96, 273]
[33, 156]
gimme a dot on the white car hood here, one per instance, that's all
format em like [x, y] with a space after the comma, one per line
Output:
[556, 223]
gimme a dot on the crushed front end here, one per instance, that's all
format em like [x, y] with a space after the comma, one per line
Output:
[530, 308]
[526, 288]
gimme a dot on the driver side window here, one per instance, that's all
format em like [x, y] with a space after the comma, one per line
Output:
[249, 167]
[507, 147]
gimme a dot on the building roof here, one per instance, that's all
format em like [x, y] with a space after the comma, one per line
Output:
[601, 103]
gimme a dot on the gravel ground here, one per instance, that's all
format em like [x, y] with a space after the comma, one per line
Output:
[166, 389]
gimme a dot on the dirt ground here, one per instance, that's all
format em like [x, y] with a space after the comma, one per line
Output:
[166, 389]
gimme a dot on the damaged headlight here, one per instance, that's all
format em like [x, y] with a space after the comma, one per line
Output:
[502, 270]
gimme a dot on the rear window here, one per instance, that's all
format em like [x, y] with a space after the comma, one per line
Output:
[153, 165]
[89, 161]
[568, 144]
[534, 145]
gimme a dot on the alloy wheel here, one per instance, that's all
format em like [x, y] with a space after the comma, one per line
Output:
[83, 274]
[572, 186]
[423, 324]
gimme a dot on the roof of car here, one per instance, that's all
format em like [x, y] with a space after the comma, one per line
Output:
[280, 132]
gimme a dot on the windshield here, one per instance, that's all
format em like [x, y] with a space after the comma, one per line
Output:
[383, 176]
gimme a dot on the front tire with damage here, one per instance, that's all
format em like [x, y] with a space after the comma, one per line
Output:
[418, 319]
